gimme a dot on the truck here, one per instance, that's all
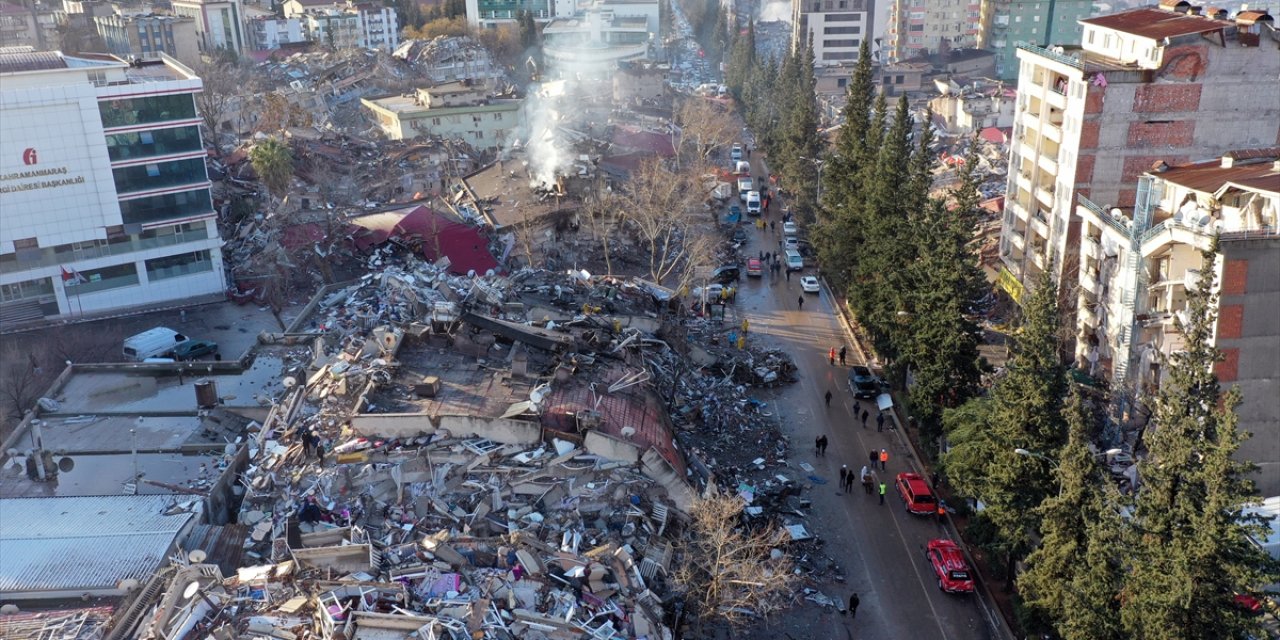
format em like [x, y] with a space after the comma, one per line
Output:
[745, 186]
[152, 343]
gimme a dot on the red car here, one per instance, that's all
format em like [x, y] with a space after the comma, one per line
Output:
[948, 562]
[916, 494]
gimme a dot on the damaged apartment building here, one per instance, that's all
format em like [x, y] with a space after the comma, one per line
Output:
[419, 454]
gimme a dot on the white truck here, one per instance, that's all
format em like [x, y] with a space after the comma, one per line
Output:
[745, 186]
[152, 343]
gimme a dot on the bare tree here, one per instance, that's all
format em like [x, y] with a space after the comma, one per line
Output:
[658, 207]
[729, 574]
[707, 125]
[223, 81]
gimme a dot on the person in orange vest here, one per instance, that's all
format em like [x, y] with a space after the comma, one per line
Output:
[942, 513]
[884, 458]
[831, 356]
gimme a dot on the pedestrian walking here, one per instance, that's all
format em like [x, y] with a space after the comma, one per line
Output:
[865, 414]
[853, 606]
[883, 487]
[942, 514]
[857, 407]
[866, 480]
[933, 480]
[880, 421]
[800, 302]
[822, 445]
[828, 396]
[884, 458]
[848, 483]
[789, 276]
[873, 456]
[831, 356]
[843, 352]
[844, 473]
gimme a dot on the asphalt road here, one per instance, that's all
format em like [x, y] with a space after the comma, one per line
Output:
[879, 548]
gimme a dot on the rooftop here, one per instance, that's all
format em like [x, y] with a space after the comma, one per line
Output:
[1156, 24]
[31, 60]
[509, 197]
[86, 544]
[1253, 172]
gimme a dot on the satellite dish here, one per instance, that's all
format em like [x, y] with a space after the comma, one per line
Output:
[66, 464]
[128, 585]
[289, 382]
[10, 610]
[197, 556]
[191, 590]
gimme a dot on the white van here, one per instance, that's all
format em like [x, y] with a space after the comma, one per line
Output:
[753, 203]
[794, 261]
[152, 343]
[745, 186]
[743, 168]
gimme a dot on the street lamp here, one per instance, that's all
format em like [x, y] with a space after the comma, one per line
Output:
[817, 162]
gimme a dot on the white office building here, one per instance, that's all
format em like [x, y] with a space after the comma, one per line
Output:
[103, 188]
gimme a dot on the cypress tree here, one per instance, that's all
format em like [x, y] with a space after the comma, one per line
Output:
[1192, 551]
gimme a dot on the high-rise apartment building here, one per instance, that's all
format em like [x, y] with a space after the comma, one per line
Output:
[1147, 85]
[836, 27]
[1040, 22]
[346, 25]
[148, 36]
[920, 27]
[103, 188]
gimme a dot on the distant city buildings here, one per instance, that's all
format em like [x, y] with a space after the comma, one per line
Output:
[836, 28]
[148, 36]
[219, 23]
[103, 186]
[921, 27]
[346, 25]
[1040, 22]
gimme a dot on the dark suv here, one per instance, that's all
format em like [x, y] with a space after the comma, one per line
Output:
[863, 383]
[726, 274]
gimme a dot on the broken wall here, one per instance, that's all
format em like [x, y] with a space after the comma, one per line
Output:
[411, 425]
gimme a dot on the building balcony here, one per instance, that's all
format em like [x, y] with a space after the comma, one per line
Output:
[1023, 181]
[1019, 211]
[1045, 195]
[1040, 224]
[1025, 149]
[1088, 320]
[1052, 132]
[1091, 247]
[1029, 119]
[1016, 239]
[1089, 279]
[1055, 99]
[1050, 165]
[1037, 258]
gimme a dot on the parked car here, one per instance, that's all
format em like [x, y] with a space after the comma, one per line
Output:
[863, 383]
[726, 274]
[789, 228]
[735, 211]
[742, 168]
[755, 268]
[753, 203]
[736, 152]
[712, 291]
[791, 243]
[916, 494]
[949, 565]
[810, 284]
[739, 235]
[793, 260]
[192, 349]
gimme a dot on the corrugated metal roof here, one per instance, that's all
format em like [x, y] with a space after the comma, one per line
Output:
[84, 543]
[1208, 177]
[1149, 22]
[33, 61]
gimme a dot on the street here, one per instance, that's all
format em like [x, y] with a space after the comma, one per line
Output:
[880, 548]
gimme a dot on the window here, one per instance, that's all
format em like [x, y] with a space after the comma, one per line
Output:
[840, 43]
[844, 17]
[179, 265]
[842, 82]
[479, 135]
[165, 207]
[839, 31]
[435, 121]
[133, 111]
[121, 275]
[159, 175]
[497, 116]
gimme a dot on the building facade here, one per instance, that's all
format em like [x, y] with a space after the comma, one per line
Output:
[19, 27]
[921, 27]
[1040, 22]
[836, 27]
[346, 25]
[452, 111]
[219, 23]
[148, 36]
[103, 186]
[1147, 85]
[490, 14]
[266, 33]
[1138, 263]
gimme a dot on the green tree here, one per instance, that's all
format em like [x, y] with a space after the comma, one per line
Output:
[273, 162]
[1024, 413]
[837, 236]
[1073, 577]
[1192, 551]
[801, 145]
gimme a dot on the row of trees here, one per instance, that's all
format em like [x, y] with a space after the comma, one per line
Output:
[1163, 561]
[902, 256]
